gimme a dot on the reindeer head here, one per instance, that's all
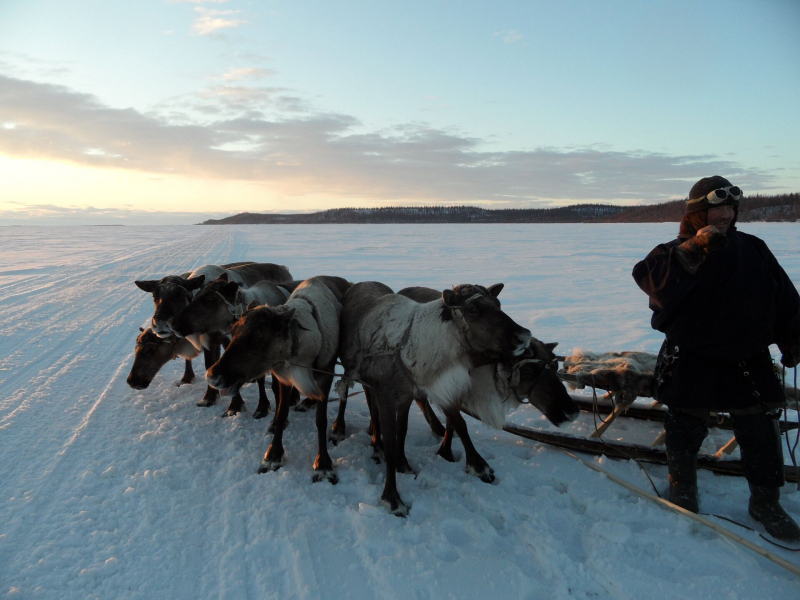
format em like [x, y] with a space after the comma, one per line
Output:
[534, 376]
[152, 353]
[212, 309]
[486, 328]
[171, 295]
[262, 340]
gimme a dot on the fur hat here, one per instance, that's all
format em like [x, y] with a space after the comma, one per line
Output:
[697, 195]
[697, 206]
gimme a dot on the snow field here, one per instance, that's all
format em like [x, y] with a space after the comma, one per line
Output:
[107, 492]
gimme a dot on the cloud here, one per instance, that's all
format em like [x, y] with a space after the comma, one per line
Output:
[48, 214]
[210, 21]
[247, 73]
[313, 152]
[509, 37]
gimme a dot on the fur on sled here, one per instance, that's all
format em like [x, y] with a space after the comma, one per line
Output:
[629, 372]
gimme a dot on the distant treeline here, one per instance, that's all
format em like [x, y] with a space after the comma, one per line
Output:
[784, 207]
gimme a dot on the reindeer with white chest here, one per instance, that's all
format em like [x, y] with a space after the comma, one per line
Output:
[500, 387]
[402, 350]
[298, 343]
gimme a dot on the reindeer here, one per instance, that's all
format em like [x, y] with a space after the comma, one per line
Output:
[500, 387]
[401, 350]
[153, 352]
[212, 312]
[172, 293]
[296, 341]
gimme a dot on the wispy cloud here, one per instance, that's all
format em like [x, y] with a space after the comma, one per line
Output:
[247, 73]
[509, 37]
[210, 21]
[330, 153]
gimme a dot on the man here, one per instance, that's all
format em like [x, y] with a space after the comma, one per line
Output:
[721, 298]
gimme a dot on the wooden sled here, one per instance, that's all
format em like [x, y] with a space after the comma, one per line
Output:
[626, 376]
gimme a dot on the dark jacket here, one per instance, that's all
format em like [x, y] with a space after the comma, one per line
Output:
[739, 302]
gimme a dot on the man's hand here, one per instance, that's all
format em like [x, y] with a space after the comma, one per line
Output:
[790, 353]
[692, 253]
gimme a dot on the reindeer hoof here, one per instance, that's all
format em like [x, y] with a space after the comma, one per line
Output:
[377, 455]
[305, 405]
[185, 382]
[231, 412]
[405, 467]
[206, 403]
[261, 413]
[483, 472]
[336, 435]
[325, 475]
[395, 506]
[272, 464]
[447, 454]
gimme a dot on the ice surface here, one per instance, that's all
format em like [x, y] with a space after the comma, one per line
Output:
[106, 492]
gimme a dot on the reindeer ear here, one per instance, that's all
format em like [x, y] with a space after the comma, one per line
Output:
[287, 314]
[449, 298]
[147, 285]
[195, 283]
[141, 329]
[253, 304]
[495, 289]
[223, 277]
[551, 346]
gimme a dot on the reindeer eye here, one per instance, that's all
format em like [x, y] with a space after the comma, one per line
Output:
[209, 300]
[472, 310]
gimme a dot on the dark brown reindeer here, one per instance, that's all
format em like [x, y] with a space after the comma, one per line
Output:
[153, 352]
[500, 387]
[213, 311]
[172, 293]
[402, 350]
[298, 343]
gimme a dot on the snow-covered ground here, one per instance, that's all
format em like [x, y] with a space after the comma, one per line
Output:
[106, 492]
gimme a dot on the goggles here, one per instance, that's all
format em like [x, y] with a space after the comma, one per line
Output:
[732, 193]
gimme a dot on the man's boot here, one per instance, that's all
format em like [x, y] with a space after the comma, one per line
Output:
[683, 480]
[765, 508]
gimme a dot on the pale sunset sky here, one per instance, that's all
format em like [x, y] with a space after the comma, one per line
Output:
[171, 111]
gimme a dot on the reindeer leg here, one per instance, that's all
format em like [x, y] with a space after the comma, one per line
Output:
[323, 466]
[262, 410]
[275, 458]
[290, 396]
[235, 407]
[339, 428]
[390, 498]
[476, 465]
[402, 429]
[446, 449]
[211, 395]
[188, 374]
[375, 428]
[430, 416]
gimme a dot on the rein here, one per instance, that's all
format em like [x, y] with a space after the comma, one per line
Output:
[458, 318]
[237, 309]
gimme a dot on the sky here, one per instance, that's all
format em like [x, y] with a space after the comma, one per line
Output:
[171, 111]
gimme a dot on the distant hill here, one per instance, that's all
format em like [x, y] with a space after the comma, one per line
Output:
[784, 207]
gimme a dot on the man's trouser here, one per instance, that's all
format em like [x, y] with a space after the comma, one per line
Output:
[758, 436]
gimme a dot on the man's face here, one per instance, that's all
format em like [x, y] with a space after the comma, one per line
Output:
[721, 217]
